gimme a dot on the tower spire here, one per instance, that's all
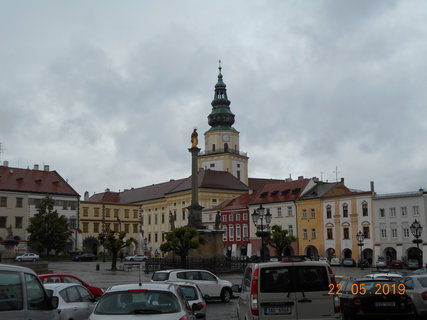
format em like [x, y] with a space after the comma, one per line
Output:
[221, 117]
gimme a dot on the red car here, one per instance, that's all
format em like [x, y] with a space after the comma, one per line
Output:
[397, 264]
[68, 278]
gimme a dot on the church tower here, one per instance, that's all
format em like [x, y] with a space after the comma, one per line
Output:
[222, 151]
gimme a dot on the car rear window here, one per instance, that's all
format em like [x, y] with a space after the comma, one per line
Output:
[312, 278]
[275, 279]
[160, 276]
[190, 292]
[423, 281]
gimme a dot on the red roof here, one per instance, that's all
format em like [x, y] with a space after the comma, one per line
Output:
[241, 202]
[34, 181]
[280, 192]
[256, 184]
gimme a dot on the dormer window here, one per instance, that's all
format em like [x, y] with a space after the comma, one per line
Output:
[273, 193]
[263, 195]
[285, 192]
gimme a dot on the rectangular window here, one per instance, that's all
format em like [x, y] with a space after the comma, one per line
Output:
[224, 235]
[415, 211]
[313, 213]
[366, 232]
[290, 230]
[135, 228]
[382, 213]
[328, 212]
[238, 174]
[163, 218]
[231, 217]
[224, 218]
[403, 211]
[107, 227]
[96, 227]
[183, 213]
[238, 232]
[245, 232]
[289, 211]
[18, 222]
[231, 231]
[108, 212]
[127, 227]
[73, 223]
[149, 219]
[155, 237]
[329, 234]
[155, 219]
[85, 227]
[126, 213]
[392, 212]
[346, 234]
[305, 234]
[383, 233]
[96, 213]
[394, 233]
[345, 211]
[73, 205]
[245, 216]
[405, 232]
[85, 211]
[364, 209]
[238, 217]
[3, 222]
[116, 213]
[149, 237]
[279, 212]
[64, 205]
[19, 202]
[313, 233]
[304, 213]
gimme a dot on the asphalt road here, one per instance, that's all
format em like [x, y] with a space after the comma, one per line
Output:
[105, 278]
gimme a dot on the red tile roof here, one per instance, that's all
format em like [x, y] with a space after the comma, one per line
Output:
[34, 181]
[280, 192]
[240, 202]
[257, 184]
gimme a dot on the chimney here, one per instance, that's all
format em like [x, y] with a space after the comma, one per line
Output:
[86, 196]
[36, 167]
[315, 179]
[5, 163]
[46, 167]
[107, 190]
[372, 187]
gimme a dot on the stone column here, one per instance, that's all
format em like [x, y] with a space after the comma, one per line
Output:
[195, 209]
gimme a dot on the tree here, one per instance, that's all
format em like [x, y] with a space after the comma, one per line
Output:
[114, 241]
[279, 240]
[181, 240]
[48, 230]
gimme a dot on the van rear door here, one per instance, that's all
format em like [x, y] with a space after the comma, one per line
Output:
[276, 298]
[313, 300]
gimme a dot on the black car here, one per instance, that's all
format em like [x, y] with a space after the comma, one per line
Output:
[85, 257]
[375, 299]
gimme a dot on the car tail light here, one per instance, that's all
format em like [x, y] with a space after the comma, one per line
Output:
[202, 305]
[424, 295]
[254, 293]
[184, 318]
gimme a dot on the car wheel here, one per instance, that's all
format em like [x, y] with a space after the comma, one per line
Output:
[131, 259]
[19, 260]
[226, 295]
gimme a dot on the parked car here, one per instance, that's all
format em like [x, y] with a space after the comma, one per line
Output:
[360, 300]
[137, 257]
[323, 259]
[75, 301]
[194, 296]
[162, 301]
[413, 264]
[419, 271]
[23, 297]
[392, 275]
[335, 262]
[287, 290]
[68, 278]
[85, 257]
[381, 263]
[28, 257]
[416, 288]
[397, 264]
[349, 262]
[210, 284]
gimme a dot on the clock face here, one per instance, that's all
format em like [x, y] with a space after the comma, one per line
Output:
[226, 137]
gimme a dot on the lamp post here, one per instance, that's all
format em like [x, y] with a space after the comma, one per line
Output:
[360, 238]
[416, 230]
[103, 230]
[262, 218]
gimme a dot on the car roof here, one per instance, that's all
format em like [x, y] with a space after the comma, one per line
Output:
[144, 286]
[9, 267]
[183, 283]
[60, 286]
[292, 263]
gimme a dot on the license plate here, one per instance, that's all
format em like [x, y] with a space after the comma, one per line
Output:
[385, 304]
[277, 310]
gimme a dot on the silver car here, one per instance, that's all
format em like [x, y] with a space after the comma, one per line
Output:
[75, 301]
[28, 257]
[194, 296]
[416, 288]
[137, 257]
[150, 301]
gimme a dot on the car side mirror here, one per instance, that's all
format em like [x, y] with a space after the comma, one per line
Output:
[236, 288]
[54, 301]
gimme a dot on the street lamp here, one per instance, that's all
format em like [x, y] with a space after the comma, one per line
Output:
[262, 218]
[103, 230]
[360, 237]
[416, 230]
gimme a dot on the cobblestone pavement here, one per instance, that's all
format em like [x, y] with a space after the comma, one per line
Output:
[105, 278]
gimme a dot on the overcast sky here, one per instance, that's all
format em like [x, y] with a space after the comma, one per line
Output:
[108, 92]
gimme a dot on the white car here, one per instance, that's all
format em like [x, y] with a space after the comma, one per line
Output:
[210, 284]
[323, 259]
[151, 301]
[335, 262]
[137, 257]
[386, 275]
[75, 301]
[194, 296]
[28, 257]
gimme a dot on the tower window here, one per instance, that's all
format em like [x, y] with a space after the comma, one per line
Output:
[212, 165]
[235, 147]
[213, 147]
[225, 147]
[238, 174]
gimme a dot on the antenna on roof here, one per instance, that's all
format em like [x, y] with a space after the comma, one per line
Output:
[336, 173]
[1, 149]
[139, 274]
[321, 176]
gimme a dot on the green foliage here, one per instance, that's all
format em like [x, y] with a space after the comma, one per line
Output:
[114, 241]
[48, 230]
[181, 240]
[279, 240]
[91, 244]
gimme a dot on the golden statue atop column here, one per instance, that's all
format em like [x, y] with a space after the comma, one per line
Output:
[194, 139]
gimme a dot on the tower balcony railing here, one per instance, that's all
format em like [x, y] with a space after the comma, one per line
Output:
[203, 153]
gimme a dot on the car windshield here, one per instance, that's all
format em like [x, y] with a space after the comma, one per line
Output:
[190, 292]
[138, 302]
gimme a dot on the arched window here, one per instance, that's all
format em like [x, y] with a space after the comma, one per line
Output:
[328, 212]
[345, 210]
[365, 208]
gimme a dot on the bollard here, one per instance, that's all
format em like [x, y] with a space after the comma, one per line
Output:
[97, 267]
